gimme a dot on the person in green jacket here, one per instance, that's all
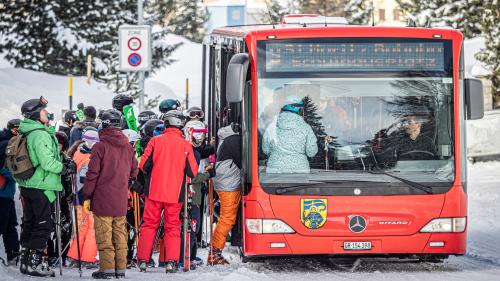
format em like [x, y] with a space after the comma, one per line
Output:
[39, 191]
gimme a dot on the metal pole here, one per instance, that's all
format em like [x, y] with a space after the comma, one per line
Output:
[70, 91]
[140, 21]
[203, 77]
[187, 93]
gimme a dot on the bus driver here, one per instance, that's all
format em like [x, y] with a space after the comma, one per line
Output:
[415, 143]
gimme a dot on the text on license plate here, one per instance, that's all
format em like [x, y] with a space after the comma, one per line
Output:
[357, 245]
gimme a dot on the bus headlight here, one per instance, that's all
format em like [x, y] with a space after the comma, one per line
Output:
[268, 226]
[445, 225]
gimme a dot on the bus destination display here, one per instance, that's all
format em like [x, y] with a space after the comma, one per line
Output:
[348, 57]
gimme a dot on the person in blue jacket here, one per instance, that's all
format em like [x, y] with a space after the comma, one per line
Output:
[289, 141]
[8, 217]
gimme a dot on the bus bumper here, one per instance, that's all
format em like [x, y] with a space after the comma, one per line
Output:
[296, 244]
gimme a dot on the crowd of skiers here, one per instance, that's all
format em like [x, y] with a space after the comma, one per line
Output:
[108, 190]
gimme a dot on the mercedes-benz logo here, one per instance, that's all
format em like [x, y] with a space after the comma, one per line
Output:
[357, 224]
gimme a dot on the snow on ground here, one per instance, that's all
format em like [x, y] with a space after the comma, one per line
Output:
[482, 261]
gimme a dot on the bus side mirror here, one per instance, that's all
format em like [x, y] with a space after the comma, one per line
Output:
[474, 99]
[236, 77]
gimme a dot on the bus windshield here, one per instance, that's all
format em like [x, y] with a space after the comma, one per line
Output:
[329, 123]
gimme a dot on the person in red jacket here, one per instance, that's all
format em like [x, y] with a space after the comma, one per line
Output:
[112, 165]
[173, 158]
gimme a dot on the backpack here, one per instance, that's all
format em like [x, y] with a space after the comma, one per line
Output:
[17, 158]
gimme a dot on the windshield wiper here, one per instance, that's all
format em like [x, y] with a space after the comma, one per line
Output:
[416, 185]
[287, 189]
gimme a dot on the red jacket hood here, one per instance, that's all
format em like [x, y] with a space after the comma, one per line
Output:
[172, 131]
[113, 136]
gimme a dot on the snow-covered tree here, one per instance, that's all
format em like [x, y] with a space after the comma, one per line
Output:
[358, 11]
[56, 36]
[181, 17]
[491, 54]
[330, 8]
[312, 117]
[274, 12]
[464, 15]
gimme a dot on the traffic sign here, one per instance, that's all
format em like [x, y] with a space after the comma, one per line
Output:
[135, 47]
[134, 43]
[134, 59]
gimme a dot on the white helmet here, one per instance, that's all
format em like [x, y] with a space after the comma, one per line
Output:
[90, 136]
[174, 118]
[132, 135]
[197, 130]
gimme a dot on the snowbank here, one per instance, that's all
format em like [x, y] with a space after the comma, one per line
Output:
[473, 67]
[483, 135]
[187, 65]
[19, 85]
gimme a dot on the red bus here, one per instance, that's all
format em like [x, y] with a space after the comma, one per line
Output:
[353, 136]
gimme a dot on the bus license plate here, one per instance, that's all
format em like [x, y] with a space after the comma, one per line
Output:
[357, 246]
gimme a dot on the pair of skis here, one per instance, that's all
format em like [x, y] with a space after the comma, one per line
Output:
[75, 224]
[131, 120]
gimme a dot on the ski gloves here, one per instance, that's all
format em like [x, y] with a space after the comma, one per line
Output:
[86, 206]
[69, 167]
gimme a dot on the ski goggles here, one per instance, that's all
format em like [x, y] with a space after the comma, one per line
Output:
[198, 130]
[196, 114]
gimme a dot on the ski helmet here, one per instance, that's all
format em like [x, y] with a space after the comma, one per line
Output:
[159, 130]
[198, 130]
[131, 135]
[31, 108]
[90, 136]
[121, 100]
[174, 118]
[294, 104]
[111, 118]
[195, 113]
[62, 139]
[149, 127]
[80, 106]
[145, 116]
[169, 104]
[69, 116]
[14, 123]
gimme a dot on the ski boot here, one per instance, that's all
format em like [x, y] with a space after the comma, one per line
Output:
[12, 259]
[36, 267]
[143, 266]
[23, 260]
[196, 261]
[216, 258]
[102, 275]
[151, 263]
[171, 267]
[120, 274]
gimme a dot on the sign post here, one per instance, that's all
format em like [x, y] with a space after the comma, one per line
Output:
[135, 52]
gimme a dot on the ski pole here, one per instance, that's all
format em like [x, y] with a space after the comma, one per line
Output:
[136, 218]
[75, 212]
[187, 244]
[211, 211]
[58, 230]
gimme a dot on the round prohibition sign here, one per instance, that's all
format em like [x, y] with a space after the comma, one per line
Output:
[134, 59]
[134, 43]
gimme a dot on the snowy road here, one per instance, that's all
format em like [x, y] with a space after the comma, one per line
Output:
[481, 263]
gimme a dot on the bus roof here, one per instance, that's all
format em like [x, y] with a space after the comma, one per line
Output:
[261, 31]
